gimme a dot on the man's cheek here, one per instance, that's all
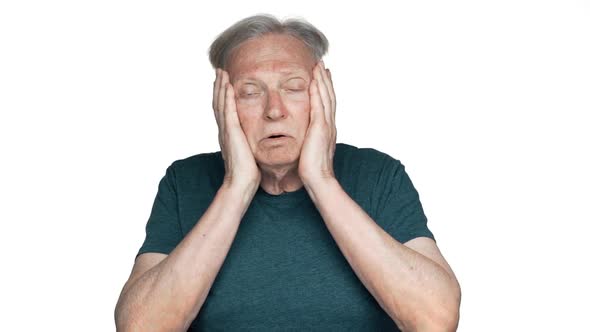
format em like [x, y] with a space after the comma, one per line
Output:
[245, 122]
[246, 112]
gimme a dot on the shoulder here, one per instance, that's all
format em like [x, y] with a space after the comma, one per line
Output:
[201, 160]
[365, 173]
[351, 151]
[364, 159]
[208, 164]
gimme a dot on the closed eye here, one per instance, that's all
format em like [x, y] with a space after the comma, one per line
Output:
[249, 90]
[250, 94]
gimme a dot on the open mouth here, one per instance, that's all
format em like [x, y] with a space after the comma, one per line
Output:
[276, 136]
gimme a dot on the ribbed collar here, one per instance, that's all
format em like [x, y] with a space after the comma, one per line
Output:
[284, 200]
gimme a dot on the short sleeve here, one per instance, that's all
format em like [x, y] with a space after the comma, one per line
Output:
[399, 210]
[163, 232]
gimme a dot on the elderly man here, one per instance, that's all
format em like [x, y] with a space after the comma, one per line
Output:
[283, 229]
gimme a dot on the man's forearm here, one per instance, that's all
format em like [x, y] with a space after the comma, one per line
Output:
[414, 290]
[169, 296]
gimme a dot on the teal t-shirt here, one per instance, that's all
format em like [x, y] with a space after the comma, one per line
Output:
[284, 271]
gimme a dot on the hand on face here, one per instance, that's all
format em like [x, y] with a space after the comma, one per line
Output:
[317, 151]
[240, 166]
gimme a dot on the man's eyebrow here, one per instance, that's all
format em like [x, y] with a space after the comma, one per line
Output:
[295, 75]
[298, 76]
[299, 72]
[244, 78]
[291, 71]
[282, 72]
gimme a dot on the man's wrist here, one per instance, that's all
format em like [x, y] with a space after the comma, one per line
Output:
[316, 187]
[243, 192]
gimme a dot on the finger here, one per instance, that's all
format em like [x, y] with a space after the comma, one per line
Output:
[221, 100]
[331, 89]
[216, 85]
[332, 95]
[221, 91]
[327, 76]
[216, 88]
[323, 92]
[317, 108]
[231, 113]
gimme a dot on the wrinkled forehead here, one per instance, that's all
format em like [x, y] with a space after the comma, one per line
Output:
[274, 54]
[272, 70]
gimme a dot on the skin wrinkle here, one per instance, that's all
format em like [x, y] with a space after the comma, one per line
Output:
[268, 64]
[411, 281]
[260, 84]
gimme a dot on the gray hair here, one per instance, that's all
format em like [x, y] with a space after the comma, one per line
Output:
[262, 24]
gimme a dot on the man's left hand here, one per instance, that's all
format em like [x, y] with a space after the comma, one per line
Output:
[317, 151]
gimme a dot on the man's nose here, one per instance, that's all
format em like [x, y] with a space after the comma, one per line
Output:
[275, 109]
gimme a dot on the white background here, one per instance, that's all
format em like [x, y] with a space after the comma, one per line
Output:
[485, 103]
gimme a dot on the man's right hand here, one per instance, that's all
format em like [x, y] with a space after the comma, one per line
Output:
[241, 169]
[162, 292]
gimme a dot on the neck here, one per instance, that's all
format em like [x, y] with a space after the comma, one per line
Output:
[279, 179]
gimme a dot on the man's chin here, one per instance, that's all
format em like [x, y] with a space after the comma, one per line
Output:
[278, 156]
[278, 161]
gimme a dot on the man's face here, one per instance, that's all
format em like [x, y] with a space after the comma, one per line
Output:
[271, 77]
